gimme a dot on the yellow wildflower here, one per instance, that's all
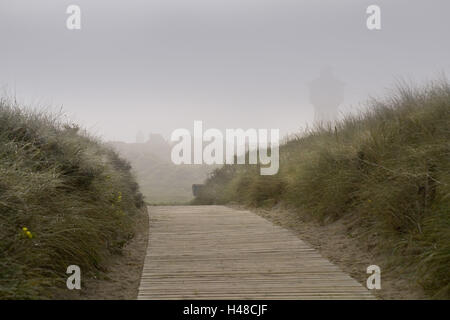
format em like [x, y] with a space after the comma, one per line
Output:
[27, 233]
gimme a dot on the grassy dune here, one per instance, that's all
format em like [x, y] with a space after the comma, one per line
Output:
[161, 181]
[75, 198]
[388, 167]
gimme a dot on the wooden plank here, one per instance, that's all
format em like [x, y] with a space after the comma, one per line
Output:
[215, 252]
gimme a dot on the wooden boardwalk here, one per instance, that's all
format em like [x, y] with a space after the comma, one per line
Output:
[215, 252]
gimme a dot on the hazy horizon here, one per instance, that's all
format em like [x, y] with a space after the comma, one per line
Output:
[156, 66]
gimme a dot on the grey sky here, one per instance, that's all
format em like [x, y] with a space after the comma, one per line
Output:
[160, 65]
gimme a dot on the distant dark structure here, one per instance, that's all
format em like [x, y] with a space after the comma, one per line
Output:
[196, 189]
[326, 94]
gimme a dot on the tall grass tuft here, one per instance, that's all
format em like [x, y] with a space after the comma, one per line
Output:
[65, 199]
[389, 167]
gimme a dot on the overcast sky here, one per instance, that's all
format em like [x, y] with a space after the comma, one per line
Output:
[158, 65]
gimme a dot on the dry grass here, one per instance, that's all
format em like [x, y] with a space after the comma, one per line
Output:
[388, 167]
[75, 196]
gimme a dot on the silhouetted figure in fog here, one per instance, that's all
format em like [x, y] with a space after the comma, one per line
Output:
[326, 94]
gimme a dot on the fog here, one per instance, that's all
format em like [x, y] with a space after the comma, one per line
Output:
[156, 66]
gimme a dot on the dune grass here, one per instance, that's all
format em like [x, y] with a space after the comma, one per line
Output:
[75, 198]
[388, 166]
